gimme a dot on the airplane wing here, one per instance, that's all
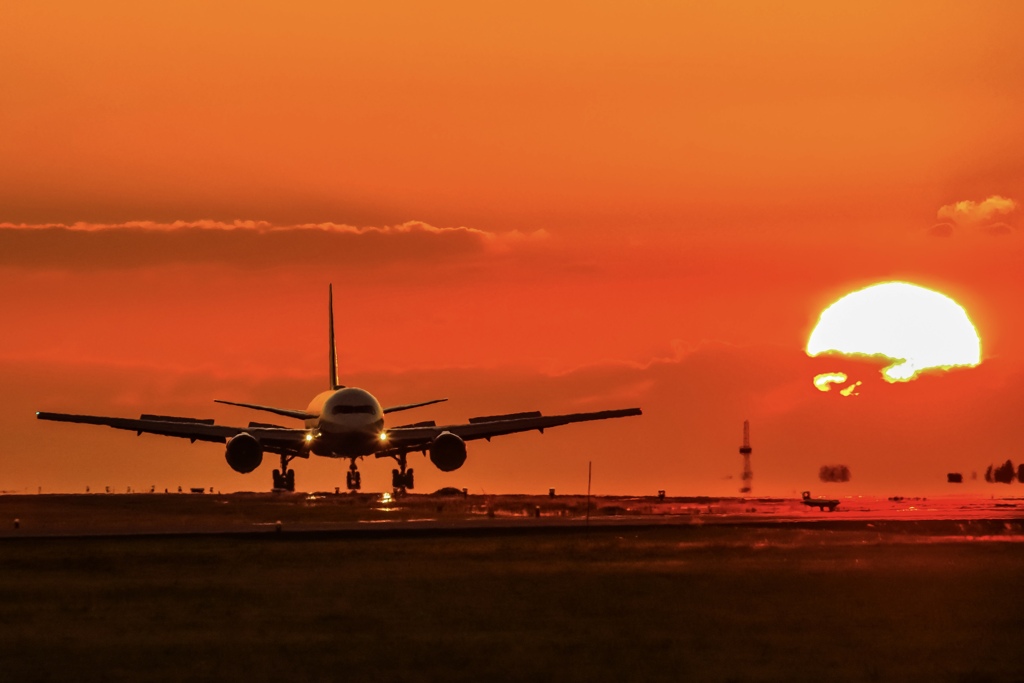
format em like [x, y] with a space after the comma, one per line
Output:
[274, 439]
[418, 437]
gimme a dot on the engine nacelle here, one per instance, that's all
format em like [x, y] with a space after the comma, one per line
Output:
[243, 453]
[448, 452]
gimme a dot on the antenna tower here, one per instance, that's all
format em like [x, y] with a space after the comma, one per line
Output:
[745, 451]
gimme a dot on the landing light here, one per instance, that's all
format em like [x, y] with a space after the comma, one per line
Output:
[383, 436]
[309, 438]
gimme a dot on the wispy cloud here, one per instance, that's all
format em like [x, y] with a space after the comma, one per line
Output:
[242, 243]
[993, 216]
[250, 225]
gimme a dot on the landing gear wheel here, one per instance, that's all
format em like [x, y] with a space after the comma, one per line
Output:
[284, 482]
[353, 479]
[401, 481]
[401, 478]
[284, 478]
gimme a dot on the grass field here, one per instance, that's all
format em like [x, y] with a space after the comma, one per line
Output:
[662, 604]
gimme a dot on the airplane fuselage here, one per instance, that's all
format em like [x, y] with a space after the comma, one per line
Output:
[349, 423]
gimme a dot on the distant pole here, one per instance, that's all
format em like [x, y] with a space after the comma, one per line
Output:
[745, 451]
[590, 472]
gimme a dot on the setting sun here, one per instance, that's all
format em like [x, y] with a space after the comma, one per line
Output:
[914, 327]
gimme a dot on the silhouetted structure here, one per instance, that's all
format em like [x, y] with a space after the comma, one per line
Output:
[954, 478]
[745, 451]
[834, 473]
[1004, 474]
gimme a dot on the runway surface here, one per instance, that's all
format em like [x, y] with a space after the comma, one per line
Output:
[156, 587]
[381, 514]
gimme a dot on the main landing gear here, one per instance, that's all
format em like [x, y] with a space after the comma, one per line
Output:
[402, 478]
[284, 478]
[353, 480]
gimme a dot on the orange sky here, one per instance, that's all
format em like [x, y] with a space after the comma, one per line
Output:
[557, 206]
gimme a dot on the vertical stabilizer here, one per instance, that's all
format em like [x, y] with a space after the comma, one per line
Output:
[333, 350]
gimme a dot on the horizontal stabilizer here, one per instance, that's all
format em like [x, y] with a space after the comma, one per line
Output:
[410, 406]
[170, 418]
[297, 414]
[499, 418]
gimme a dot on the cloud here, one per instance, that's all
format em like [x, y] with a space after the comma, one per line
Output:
[941, 230]
[993, 216]
[242, 243]
[251, 225]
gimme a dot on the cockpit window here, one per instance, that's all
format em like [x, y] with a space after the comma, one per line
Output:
[350, 410]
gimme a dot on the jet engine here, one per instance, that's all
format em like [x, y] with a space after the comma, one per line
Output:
[448, 452]
[243, 453]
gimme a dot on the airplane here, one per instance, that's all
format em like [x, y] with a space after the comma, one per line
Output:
[343, 423]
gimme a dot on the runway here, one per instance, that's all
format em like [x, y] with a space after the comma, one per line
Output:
[155, 587]
[380, 514]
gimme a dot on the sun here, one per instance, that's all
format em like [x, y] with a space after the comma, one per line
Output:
[913, 327]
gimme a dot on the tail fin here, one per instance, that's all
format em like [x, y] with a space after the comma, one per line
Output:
[333, 349]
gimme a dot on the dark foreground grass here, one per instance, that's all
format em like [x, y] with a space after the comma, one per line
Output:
[653, 605]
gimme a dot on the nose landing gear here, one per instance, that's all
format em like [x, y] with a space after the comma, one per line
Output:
[353, 480]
